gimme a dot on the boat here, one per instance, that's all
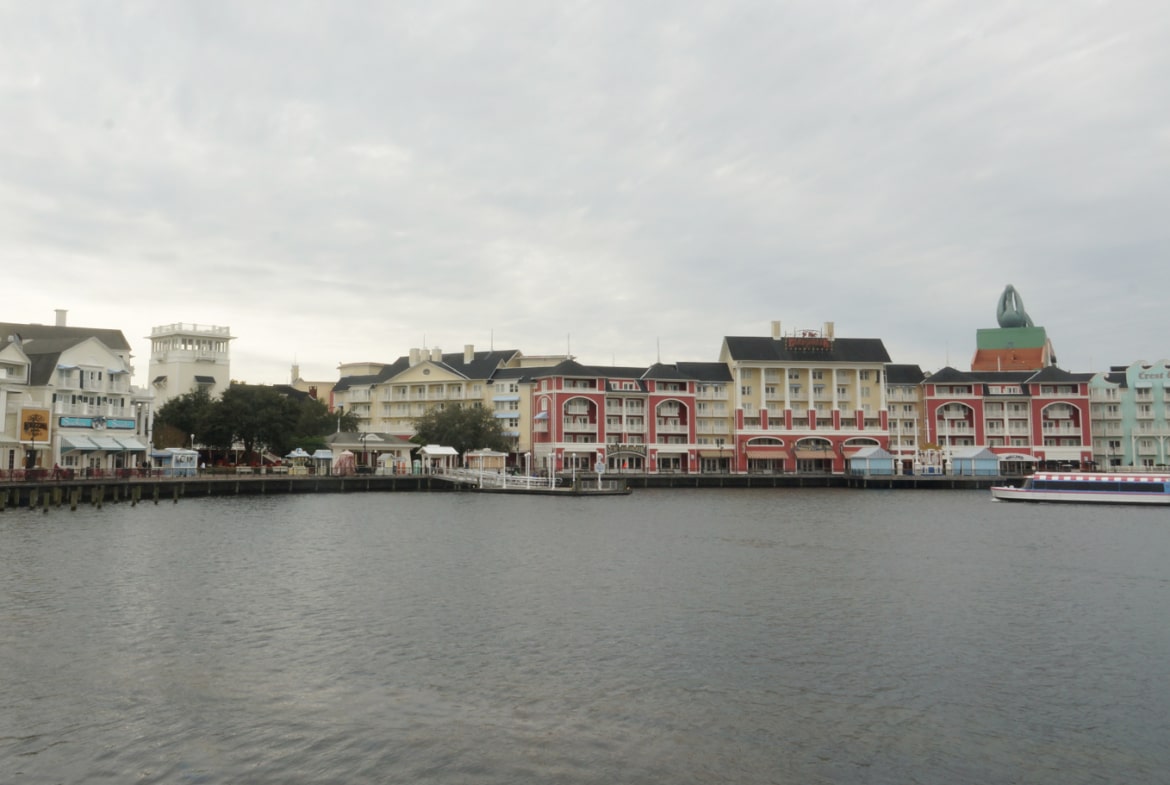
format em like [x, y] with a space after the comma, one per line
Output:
[1088, 488]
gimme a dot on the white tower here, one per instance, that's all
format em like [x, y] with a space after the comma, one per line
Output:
[187, 357]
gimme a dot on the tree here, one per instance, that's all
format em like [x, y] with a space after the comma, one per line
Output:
[315, 422]
[464, 428]
[180, 417]
[256, 416]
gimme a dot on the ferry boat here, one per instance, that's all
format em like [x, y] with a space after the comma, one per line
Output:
[1088, 488]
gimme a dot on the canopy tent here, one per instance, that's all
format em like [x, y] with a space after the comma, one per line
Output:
[299, 461]
[436, 456]
[344, 463]
[322, 461]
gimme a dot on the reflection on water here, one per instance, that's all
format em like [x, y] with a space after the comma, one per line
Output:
[747, 636]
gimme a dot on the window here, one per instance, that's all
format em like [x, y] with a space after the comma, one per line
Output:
[794, 389]
[818, 375]
[745, 390]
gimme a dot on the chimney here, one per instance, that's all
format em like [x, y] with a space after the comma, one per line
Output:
[829, 330]
[436, 355]
[415, 357]
[61, 316]
[468, 353]
[776, 330]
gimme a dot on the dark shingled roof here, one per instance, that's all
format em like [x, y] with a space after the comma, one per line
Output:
[1050, 374]
[482, 366]
[841, 350]
[35, 333]
[706, 371]
[904, 374]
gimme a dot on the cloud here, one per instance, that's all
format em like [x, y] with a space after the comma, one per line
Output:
[337, 182]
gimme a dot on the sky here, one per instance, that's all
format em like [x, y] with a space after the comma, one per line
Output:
[629, 182]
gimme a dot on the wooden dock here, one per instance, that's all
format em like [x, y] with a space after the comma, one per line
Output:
[49, 494]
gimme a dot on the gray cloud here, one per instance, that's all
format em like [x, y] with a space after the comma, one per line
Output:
[343, 182]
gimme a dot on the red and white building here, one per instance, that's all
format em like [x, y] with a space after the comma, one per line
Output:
[1029, 419]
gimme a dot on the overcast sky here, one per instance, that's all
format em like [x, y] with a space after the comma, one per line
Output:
[628, 181]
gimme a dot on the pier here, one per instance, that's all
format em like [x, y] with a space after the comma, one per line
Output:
[51, 494]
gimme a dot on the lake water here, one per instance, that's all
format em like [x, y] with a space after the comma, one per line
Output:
[681, 636]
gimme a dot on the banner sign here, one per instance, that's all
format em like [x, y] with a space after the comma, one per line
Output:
[34, 426]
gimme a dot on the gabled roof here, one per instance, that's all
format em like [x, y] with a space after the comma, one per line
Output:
[1049, 374]
[34, 333]
[840, 350]
[706, 371]
[375, 442]
[664, 372]
[949, 375]
[1054, 374]
[482, 366]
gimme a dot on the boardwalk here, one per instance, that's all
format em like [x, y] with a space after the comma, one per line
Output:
[134, 490]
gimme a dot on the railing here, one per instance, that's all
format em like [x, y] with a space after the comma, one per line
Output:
[93, 410]
[185, 327]
[494, 479]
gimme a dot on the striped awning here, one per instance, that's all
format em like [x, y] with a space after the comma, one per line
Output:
[815, 454]
[76, 442]
[131, 444]
[108, 443]
[769, 453]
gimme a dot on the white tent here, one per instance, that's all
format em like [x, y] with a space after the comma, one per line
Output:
[435, 457]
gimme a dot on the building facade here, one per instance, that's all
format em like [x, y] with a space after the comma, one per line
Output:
[805, 401]
[1030, 419]
[1130, 417]
[67, 402]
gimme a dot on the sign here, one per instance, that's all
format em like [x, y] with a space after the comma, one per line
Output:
[96, 423]
[807, 344]
[34, 426]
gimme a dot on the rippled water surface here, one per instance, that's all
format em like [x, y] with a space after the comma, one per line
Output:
[747, 636]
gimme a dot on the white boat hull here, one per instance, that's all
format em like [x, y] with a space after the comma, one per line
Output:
[1009, 494]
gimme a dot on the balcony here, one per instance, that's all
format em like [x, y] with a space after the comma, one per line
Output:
[93, 410]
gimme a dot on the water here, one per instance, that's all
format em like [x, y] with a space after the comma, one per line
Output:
[739, 636]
